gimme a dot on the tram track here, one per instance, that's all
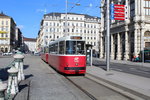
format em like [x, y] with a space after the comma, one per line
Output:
[94, 90]
[83, 90]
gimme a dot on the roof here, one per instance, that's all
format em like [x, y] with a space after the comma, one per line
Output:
[3, 15]
[29, 39]
[59, 14]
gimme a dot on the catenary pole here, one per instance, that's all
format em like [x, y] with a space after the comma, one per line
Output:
[66, 26]
[108, 36]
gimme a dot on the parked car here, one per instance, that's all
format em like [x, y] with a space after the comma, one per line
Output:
[37, 54]
[7, 54]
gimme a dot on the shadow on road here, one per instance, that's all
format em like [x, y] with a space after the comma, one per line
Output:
[4, 74]
[28, 76]
[25, 66]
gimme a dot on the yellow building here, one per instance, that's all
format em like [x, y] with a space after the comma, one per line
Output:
[7, 33]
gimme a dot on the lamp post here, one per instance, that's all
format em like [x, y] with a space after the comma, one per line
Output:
[108, 36]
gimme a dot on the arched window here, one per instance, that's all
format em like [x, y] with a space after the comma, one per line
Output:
[147, 34]
[6, 49]
[2, 49]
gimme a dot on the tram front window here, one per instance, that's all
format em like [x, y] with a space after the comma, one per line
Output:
[75, 47]
[80, 47]
[70, 47]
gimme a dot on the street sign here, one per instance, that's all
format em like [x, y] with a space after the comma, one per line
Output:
[118, 12]
[112, 11]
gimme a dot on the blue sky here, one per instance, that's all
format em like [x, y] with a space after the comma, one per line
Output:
[28, 13]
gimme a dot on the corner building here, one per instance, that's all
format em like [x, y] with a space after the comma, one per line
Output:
[53, 26]
[10, 35]
[130, 36]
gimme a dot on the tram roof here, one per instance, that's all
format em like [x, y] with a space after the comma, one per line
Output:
[66, 38]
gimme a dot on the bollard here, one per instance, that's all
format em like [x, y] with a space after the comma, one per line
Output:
[12, 81]
[19, 65]
[3, 87]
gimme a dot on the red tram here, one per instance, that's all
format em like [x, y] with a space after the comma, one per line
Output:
[67, 55]
[44, 54]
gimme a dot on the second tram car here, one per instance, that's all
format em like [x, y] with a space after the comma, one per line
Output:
[67, 55]
[44, 54]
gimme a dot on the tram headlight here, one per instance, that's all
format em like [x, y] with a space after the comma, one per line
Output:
[76, 64]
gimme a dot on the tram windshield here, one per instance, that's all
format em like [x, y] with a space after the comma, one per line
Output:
[75, 47]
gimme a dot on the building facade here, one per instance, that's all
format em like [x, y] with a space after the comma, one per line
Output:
[128, 37]
[29, 45]
[8, 33]
[54, 25]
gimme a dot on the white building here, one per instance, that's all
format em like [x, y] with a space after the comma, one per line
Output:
[128, 37]
[29, 44]
[53, 26]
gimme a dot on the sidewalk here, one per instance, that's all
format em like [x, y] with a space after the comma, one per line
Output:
[137, 85]
[43, 83]
[146, 64]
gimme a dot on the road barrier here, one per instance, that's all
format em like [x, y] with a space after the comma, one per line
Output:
[15, 76]
[19, 65]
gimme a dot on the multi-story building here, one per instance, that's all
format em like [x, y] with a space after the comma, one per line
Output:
[8, 34]
[130, 36]
[19, 38]
[53, 26]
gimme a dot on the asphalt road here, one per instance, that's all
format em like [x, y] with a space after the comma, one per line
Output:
[131, 69]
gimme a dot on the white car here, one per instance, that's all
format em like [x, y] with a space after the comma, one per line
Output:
[7, 54]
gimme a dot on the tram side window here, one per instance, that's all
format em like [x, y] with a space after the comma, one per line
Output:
[56, 48]
[80, 47]
[61, 47]
[70, 47]
[51, 49]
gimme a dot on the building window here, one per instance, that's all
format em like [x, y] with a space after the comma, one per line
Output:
[132, 8]
[6, 22]
[147, 7]
[2, 22]
[46, 23]
[76, 24]
[94, 44]
[2, 35]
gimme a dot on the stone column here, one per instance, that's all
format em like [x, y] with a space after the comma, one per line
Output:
[101, 46]
[126, 54]
[142, 38]
[135, 43]
[112, 46]
[136, 18]
[118, 47]
[142, 10]
[138, 40]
